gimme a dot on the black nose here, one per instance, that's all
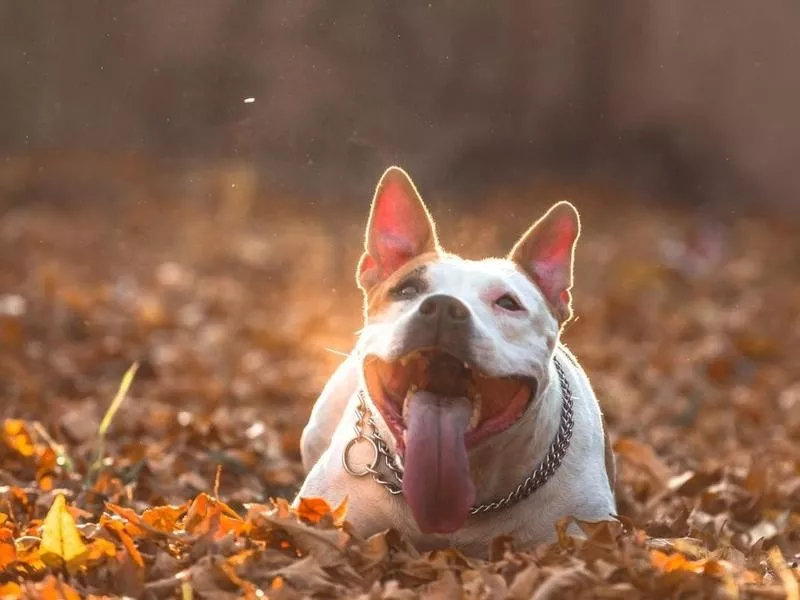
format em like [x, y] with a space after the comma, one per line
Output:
[441, 306]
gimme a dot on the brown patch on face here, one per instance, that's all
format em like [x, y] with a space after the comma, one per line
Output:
[379, 295]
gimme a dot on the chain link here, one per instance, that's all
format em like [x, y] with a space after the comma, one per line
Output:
[540, 475]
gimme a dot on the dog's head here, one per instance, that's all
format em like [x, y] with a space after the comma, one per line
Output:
[454, 351]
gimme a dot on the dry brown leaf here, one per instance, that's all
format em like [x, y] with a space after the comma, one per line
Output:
[643, 457]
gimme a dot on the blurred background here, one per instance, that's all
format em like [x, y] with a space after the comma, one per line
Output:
[185, 184]
[686, 101]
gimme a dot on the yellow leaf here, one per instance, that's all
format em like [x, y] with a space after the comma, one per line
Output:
[186, 589]
[61, 541]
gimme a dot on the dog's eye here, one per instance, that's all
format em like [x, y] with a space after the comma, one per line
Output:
[508, 302]
[406, 291]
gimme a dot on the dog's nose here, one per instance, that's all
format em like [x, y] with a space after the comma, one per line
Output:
[442, 306]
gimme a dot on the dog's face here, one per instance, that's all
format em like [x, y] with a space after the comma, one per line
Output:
[454, 351]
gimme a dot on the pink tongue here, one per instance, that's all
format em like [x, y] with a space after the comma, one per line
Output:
[436, 483]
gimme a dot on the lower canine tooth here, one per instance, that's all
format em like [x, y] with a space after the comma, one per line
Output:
[476, 412]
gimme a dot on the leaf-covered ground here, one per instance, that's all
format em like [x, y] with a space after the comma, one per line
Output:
[689, 329]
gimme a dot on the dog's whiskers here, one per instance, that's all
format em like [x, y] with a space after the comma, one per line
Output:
[337, 352]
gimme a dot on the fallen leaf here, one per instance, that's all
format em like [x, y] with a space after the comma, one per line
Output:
[312, 510]
[61, 541]
[643, 457]
[164, 518]
[784, 573]
[17, 437]
[10, 591]
[8, 552]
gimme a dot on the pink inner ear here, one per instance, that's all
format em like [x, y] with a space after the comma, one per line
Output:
[400, 227]
[393, 253]
[367, 264]
[549, 258]
[396, 212]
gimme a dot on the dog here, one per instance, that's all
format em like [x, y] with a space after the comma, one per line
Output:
[459, 416]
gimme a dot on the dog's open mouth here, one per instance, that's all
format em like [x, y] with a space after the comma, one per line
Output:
[496, 403]
[438, 407]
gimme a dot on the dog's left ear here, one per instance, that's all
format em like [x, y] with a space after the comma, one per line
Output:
[545, 252]
[399, 229]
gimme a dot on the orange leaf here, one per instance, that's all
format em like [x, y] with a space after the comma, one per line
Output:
[61, 541]
[16, 437]
[8, 552]
[130, 516]
[282, 507]
[784, 573]
[277, 583]
[312, 510]
[51, 588]
[676, 562]
[130, 546]
[206, 513]
[30, 556]
[164, 518]
[339, 513]
[120, 529]
[101, 548]
[10, 590]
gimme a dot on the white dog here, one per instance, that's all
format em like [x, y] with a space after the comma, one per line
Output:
[459, 416]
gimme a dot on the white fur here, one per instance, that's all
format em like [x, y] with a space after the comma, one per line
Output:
[504, 343]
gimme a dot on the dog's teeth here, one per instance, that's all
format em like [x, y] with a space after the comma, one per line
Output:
[406, 402]
[405, 437]
[476, 412]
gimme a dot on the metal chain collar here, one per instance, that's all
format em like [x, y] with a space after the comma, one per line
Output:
[540, 475]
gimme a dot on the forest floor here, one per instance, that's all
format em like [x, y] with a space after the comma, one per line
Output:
[690, 333]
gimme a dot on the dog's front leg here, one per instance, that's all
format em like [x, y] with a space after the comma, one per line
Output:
[328, 411]
[370, 507]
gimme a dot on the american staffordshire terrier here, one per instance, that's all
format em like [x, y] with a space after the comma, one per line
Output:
[459, 416]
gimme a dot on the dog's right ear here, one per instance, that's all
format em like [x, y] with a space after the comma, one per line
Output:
[399, 229]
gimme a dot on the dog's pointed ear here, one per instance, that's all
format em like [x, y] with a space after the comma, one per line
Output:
[399, 229]
[545, 252]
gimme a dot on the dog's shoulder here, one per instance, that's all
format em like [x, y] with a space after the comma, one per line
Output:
[610, 461]
[328, 410]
